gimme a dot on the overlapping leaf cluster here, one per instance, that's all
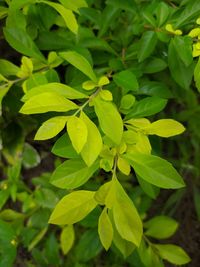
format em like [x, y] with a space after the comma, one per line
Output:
[94, 71]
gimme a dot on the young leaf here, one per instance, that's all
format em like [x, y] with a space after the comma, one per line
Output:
[173, 254]
[79, 62]
[67, 238]
[105, 229]
[51, 128]
[155, 170]
[93, 145]
[72, 174]
[67, 15]
[73, 207]
[22, 42]
[126, 217]
[46, 102]
[165, 128]
[78, 132]
[74, 5]
[58, 88]
[109, 119]
[161, 227]
[123, 166]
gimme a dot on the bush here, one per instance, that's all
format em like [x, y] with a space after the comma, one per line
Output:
[88, 92]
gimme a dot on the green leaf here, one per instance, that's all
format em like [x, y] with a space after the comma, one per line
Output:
[105, 229]
[67, 238]
[74, 5]
[147, 45]
[8, 251]
[17, 4]
[127, 101]
[72, 174]
[7, 68]
[161, 227]
[155, 170]
[181, 74]
[173, 254]
[151, 190]
[188, 13]
[53, 102]
[63, 148]
[73, 207]
[78, 132]
[197, 75]
[58, 88]
[51, 128]
[79, 62]
[183, 46]
[162, 13]
[66, 14]
[147, 107]
[109, 119]
[22, 42]
[89, 246]
[93, 145]
[126, 217]
[127, 80]
[154, 65]
[30, 157]
[165, 128]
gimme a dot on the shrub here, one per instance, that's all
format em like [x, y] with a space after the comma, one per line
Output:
[103, 81]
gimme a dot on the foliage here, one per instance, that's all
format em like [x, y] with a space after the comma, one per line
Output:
[101, 81]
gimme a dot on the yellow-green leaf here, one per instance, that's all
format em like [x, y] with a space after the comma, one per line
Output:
[93, 145]
[106, 95]
[46, 102]
[89, 85]
[165, 128]
[73, 207]
[103, 81]
[105, 229]
[78, 133]
[123, 166]
[67, 238]
[172, 253]
[109, 119]
[51, 128]
[126, 217]
[58, 88]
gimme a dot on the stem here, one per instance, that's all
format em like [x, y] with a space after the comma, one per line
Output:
[88, 101]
